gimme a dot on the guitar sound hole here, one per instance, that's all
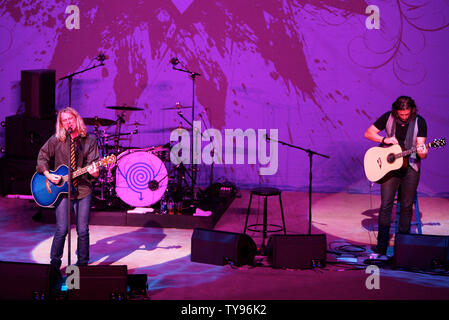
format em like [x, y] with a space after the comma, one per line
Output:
[391, 158]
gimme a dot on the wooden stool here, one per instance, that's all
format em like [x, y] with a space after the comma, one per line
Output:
[265, 192]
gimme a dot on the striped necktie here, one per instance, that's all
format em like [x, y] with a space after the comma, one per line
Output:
[73, 160]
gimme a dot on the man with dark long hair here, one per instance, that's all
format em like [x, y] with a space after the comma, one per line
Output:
[70, 127]
[405, 127]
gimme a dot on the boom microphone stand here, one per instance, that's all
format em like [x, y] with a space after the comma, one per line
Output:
[69, 196]
[193, 75]
[101, 57]
[310, 153]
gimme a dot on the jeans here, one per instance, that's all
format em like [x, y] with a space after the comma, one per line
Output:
[82, 211]
[408, 179]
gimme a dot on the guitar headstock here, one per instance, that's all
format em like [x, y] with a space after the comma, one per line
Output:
[108, 160]
[438, 143]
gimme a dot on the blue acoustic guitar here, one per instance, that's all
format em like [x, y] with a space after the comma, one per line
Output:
[46, 193]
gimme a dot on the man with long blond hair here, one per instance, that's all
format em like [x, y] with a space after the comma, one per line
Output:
[70, 128]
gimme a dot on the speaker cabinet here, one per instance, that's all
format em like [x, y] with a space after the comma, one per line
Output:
[297, 251]
[220, 247]
[26, 281]
[25, 136]
[38, 92]
[419, 251]
[100, 283]
[15, 175]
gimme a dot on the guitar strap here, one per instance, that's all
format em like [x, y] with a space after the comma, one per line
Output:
[410, 142]
[390, 127]
[410, 139]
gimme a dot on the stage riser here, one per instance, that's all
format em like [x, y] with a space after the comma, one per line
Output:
[133, 220]
[149, 220]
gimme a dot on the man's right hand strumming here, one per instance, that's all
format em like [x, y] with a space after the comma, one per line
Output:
[54, 178]
[390, 140]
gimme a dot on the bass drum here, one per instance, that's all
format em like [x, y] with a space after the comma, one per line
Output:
[140, 178]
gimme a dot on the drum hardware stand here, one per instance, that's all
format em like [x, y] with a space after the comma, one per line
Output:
[310, 153]
[211, 175]
[102, 180]
[181, 168]
[117, 136]
[119, 122]
[101, 146]
[184, 118]
[193, 75]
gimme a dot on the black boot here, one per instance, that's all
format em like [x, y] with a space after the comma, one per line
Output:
[383, 239]
[55, 282]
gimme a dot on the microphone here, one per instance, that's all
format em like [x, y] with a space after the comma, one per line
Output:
[69, 130]
[101, 57]
[266, 137]
[174, 61]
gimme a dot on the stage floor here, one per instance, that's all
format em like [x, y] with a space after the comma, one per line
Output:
[163, 254]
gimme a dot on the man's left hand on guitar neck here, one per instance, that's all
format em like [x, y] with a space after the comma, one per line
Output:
[421, 149]
[93, 170]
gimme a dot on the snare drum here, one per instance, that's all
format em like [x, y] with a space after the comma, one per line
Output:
[140, 178]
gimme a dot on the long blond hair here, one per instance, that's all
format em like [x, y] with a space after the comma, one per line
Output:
[61, 133]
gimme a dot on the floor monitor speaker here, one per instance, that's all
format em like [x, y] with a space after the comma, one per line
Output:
[421, 251]
[101, 282]
[297, 251]
[220, 247]
[27, 281]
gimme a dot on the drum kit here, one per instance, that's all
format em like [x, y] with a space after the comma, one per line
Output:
[141, 176]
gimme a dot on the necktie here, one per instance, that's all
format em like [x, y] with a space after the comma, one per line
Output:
[73, 160]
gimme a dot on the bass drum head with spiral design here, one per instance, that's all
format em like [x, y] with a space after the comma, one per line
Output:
[140, 178]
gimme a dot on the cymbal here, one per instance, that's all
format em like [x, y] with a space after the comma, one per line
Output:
[163, 130]
[134, 124]
[125, 108]
[98, 122]
[177, 107]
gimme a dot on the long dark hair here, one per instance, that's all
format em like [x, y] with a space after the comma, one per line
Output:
[404, 103]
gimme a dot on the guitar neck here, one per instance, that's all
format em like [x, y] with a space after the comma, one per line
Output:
[82, 171]
[412, 150]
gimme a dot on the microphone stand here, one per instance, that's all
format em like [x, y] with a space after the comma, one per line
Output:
[69, 195]
[70, 77]
[193, 75]
[310, 153]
